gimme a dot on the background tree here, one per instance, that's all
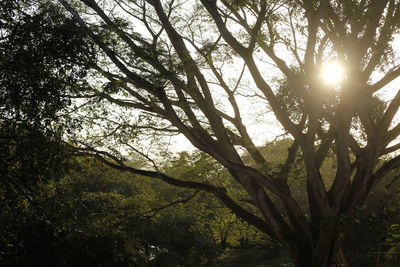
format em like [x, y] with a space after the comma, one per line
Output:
[98, 216]
[226, 229]
[42, 59]
[166, 64]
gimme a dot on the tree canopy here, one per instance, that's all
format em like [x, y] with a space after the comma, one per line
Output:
[42, 60]
[211, 70]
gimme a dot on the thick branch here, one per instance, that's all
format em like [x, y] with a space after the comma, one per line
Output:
[390, 76]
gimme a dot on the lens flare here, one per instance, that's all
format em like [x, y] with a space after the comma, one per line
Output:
[332, 73]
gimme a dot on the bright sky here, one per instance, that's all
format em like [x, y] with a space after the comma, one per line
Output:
[253, 114]
[262, 132]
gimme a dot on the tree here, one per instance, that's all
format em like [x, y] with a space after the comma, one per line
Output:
[98, 216]
[226, 229]
[166, 64]
[42, 59]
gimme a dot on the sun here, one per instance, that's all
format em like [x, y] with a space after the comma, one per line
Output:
[332, 73]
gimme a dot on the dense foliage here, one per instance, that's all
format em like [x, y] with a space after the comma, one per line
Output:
[43, 58]
[98, 216]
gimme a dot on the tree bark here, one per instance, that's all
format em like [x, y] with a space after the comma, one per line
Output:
[317, 253]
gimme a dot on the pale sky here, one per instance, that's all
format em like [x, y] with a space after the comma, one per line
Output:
[270, 128]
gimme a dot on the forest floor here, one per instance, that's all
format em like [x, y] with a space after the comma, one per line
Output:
[253, 258]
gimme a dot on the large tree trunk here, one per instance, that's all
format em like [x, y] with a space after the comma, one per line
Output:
[315, 257]
[319, 252]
